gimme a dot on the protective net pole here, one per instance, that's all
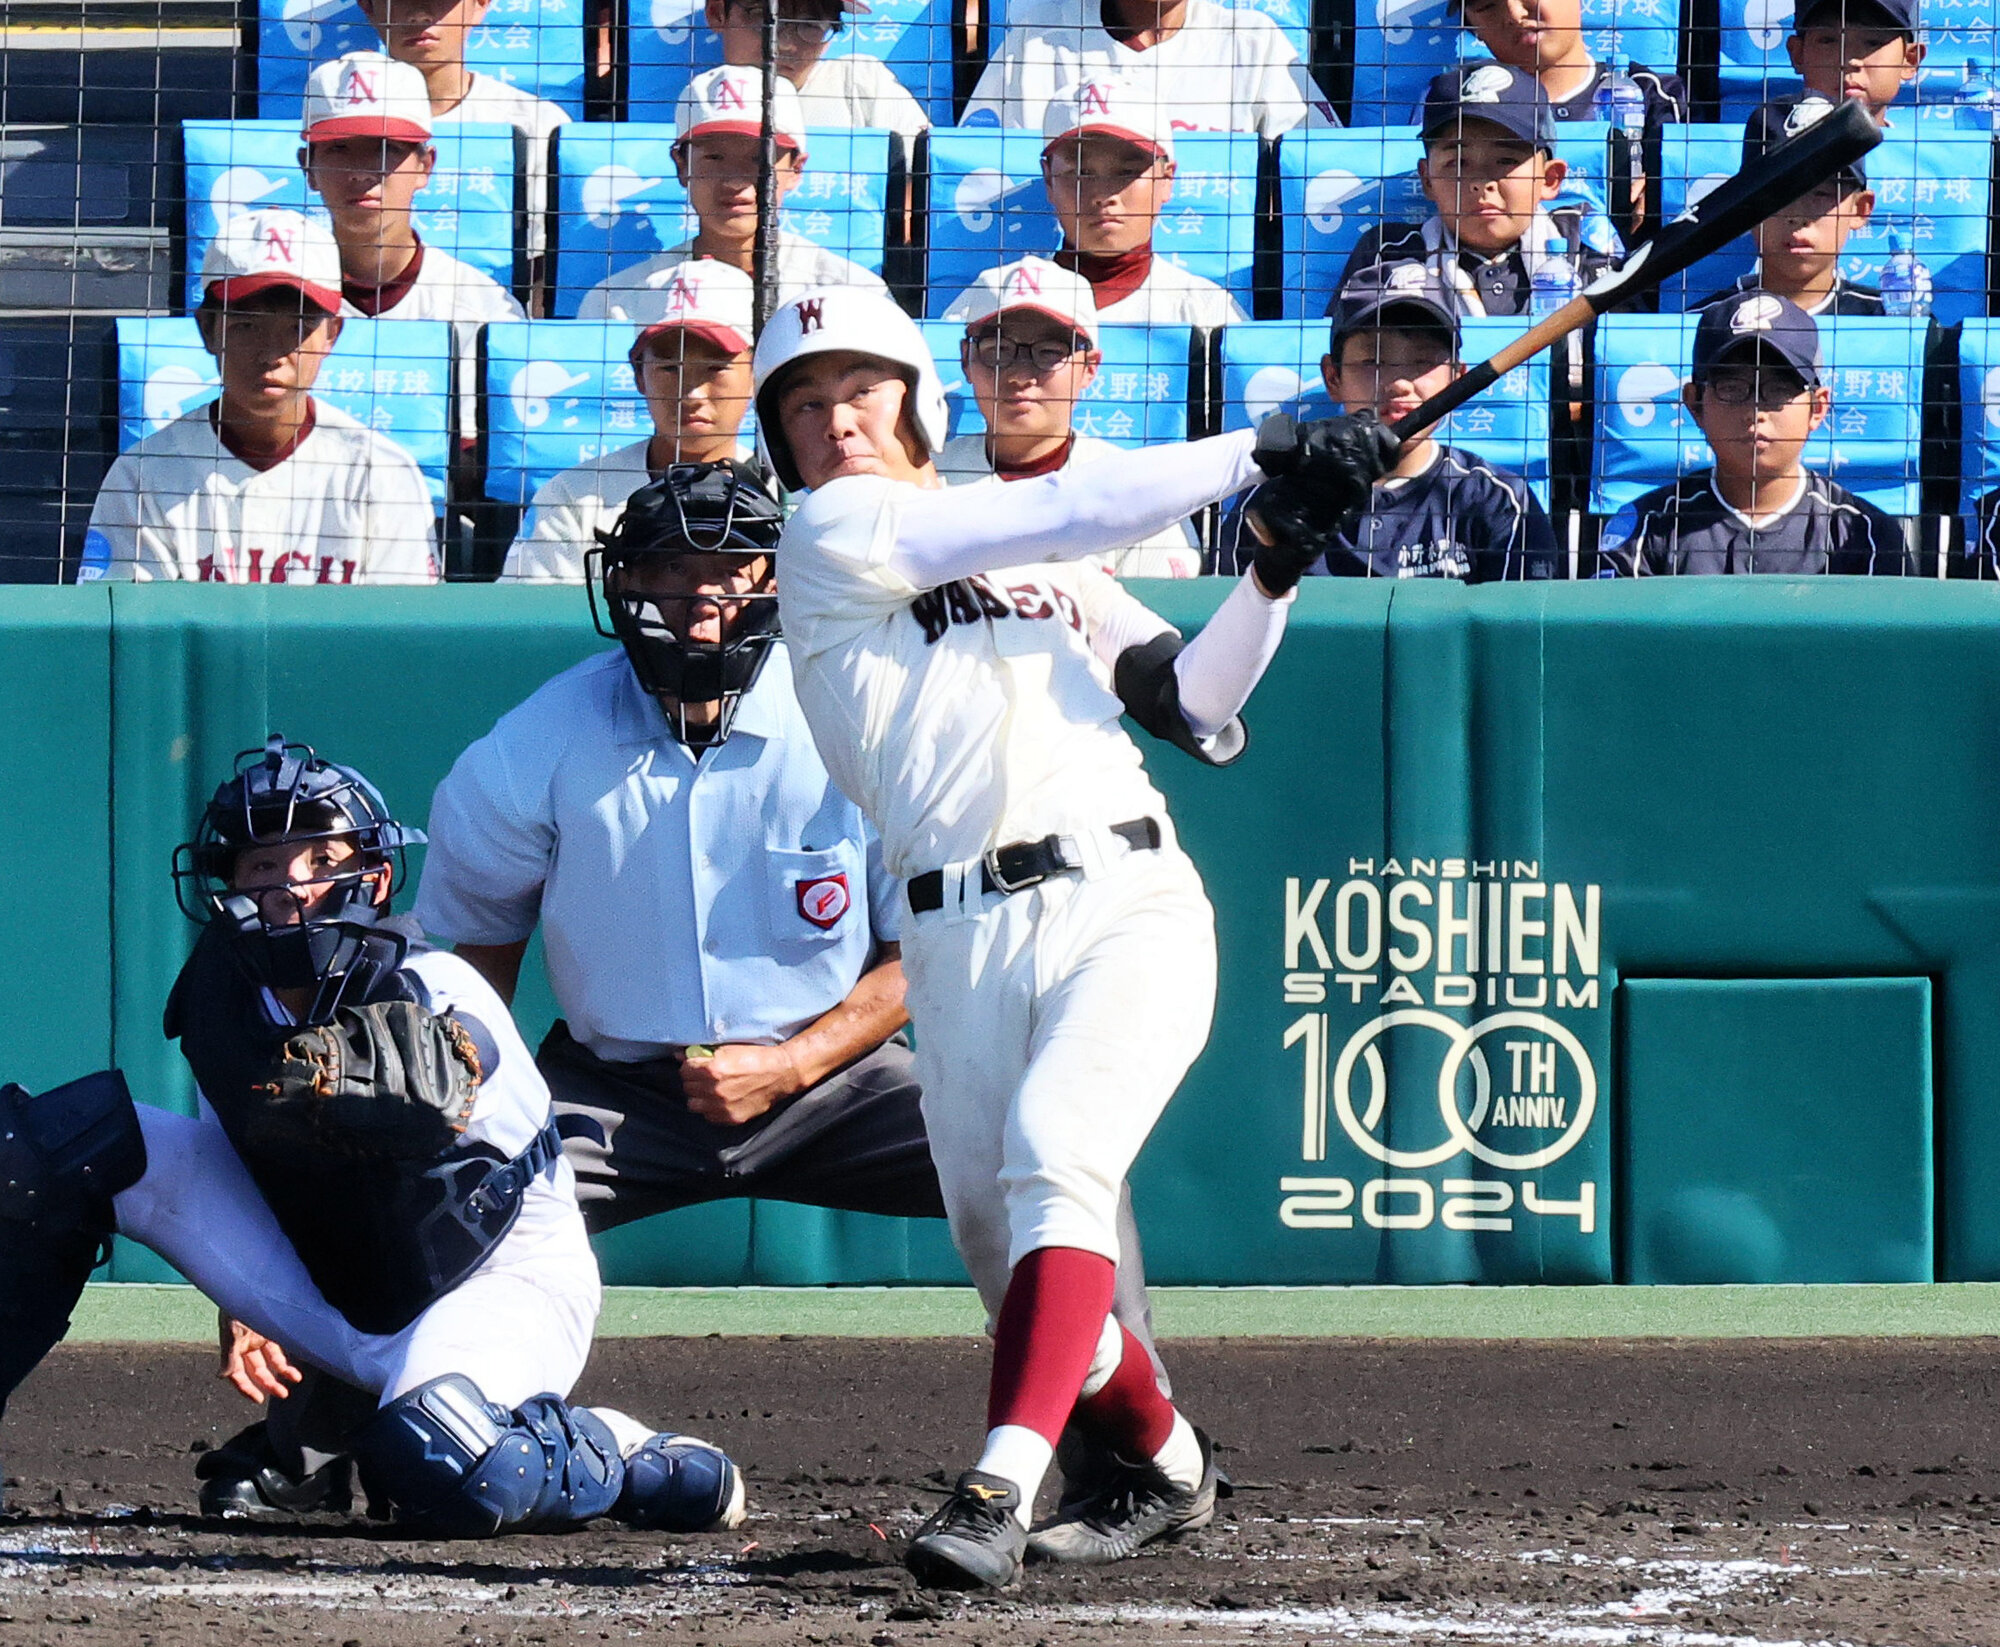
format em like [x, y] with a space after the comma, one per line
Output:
[765, 264]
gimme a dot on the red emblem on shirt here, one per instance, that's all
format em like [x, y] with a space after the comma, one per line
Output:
[823, 901]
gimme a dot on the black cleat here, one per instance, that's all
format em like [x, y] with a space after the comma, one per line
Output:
[1139, 1507]
[973, 1540]
[244, 1478]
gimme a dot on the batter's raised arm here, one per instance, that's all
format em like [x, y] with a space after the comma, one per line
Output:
[1080, 510]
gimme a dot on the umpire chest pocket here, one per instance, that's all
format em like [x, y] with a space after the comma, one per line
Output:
[816, 897]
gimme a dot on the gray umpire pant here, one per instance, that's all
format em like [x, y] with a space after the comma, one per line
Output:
[854, 1143]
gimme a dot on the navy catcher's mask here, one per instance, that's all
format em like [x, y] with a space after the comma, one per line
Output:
[322, 934]
[682, 593]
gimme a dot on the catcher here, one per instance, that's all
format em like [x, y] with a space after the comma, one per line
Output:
[374, 1180]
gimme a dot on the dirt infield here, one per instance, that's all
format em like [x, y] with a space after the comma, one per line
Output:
[1677, 1493]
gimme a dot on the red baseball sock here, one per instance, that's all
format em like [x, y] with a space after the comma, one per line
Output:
[1049, 1325]
[1129, 1412]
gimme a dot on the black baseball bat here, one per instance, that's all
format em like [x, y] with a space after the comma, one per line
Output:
[1781, 175]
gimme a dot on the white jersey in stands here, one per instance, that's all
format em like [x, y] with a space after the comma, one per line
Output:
[1226, 69]
[802, 265]
[444, 289]
[860, 91]
[1167, 553]
[1173, 296]
[571, 508]
[493, 102]
[345, 505]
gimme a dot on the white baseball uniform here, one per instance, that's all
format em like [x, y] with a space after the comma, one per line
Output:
[1227, 69]
[492, 102]
[963, 700]
[571, 507]
[1170, 552]
[1173, 296]
[802, 265]
[519, 1325]
[857, 90]
[346, 505]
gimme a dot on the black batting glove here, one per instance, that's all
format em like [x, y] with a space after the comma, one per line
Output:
[1322, 476]
[1291, 534]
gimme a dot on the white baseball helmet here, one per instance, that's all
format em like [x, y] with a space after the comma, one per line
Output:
[864, 320]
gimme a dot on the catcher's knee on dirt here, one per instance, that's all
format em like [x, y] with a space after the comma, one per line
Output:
[63, 1155]
[452, 1464]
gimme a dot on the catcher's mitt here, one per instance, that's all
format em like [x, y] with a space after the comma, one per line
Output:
[386, 1081]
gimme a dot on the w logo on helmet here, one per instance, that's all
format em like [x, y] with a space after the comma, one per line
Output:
[812, 316]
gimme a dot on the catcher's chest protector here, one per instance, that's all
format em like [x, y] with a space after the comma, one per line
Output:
[381, 1239]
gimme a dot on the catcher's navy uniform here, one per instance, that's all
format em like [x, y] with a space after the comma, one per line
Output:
[1848, 297]
[1461, 518]
[1687, 528]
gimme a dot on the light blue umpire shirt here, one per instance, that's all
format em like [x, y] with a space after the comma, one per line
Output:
[732, 898]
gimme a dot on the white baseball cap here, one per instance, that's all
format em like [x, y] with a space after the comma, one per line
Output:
[366, 94]
[731, 99]
[1110, 106]
[713, 300]
[261, 250]
[1032, 283]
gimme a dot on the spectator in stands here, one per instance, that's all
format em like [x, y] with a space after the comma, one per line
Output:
[1863, 49]
[430, 35]
[1204, 66]
[692, 362]
[720, 120]
[852, 89]
[1489, 169]
[1441, 512]
[1108, 165]
[1545, 38]
[367, 153]
[1030, 352]
[265, 484]
[1799, 246]
[1757, 395]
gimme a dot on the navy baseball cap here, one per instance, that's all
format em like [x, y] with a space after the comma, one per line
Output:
[1785, 117]
[1392, 294]
[1740, 323]
[1896, 14]
[1492, 92]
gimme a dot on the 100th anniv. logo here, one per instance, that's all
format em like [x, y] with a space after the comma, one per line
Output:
[1458, 999]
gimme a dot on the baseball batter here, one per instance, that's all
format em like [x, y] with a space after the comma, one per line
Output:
[964, 687]
[374, 1179]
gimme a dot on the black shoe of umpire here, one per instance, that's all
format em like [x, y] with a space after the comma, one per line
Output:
[973, 1540]
[1135, 1507]
[244, 1478]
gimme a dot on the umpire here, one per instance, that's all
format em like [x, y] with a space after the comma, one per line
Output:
[719, 932]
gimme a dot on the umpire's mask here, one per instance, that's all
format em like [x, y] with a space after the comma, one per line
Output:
[685, 581]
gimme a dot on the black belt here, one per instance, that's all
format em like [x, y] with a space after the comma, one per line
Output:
[1015, 868]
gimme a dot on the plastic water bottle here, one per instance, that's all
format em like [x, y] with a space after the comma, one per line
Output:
[1906, 282]
[1555, 280]
[1978, 102]
[1620, 104]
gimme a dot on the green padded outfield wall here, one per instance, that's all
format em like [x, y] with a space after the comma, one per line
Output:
[1570, 933]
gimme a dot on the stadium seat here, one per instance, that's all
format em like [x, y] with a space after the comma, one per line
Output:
[1931, 184]
[1753, 63]
[1140, 394]
[1335, 185]
[56, 435]
[618, 201]
[470, 208]
[534, 44]
[1871, 442]
[1979, 441]
[555, 393]
[670, 44]
[393, 375]
[1273, 366]
[1399, 46]
[123, 76]
[988, 206]
[85, 215]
